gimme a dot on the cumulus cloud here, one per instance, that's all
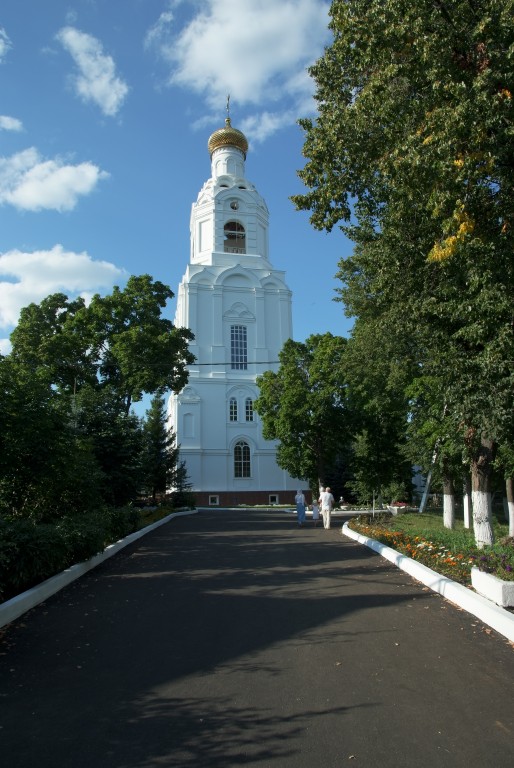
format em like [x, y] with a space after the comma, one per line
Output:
[33, 276]
[96, 80]
[256, 51]
[29, 182]
[5, 43]
[10, 123]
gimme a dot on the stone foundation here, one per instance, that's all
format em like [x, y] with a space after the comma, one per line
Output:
[246, 498]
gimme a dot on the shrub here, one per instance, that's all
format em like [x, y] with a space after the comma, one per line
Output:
[32, 552]
[29, 554]
[121, 521]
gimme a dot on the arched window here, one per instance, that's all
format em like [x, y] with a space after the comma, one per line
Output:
[249, 409]
[232, 409]
[235, 237]
[241, 459]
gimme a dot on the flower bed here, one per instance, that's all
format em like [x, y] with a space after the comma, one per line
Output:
[455, 562]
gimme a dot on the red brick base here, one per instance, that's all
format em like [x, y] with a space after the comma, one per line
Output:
[250, 498]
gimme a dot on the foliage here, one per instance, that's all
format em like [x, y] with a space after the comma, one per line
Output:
[161, 455]
[376, 376]
[120, 342]
[303, 406]
[68, 442]
[32, 552]
[182, 496]
[412, 154]
[136, 349]
[44, 465]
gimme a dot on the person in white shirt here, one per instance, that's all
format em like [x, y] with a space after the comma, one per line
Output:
[327, 504]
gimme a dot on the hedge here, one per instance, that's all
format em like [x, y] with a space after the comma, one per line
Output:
[31, 553]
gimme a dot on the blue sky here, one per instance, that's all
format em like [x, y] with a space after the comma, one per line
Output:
[105, 111]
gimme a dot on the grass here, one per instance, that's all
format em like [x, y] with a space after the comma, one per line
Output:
[450, 552]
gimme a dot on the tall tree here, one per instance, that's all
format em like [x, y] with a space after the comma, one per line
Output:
[414, 127]
[46, 467]
[120, 342]
[161, 455]
[375, 373]
[303, 406]
[138, 351]
[69, 439]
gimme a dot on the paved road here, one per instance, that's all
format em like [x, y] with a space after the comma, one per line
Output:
[233, 638]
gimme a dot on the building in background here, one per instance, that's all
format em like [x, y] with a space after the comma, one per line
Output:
[239, 310]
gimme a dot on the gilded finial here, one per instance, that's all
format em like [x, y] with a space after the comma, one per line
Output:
[228, 136]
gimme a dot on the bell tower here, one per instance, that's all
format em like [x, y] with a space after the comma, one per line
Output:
[239, 310]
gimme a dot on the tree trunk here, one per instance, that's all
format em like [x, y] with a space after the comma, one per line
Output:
[509, 484]
[466, 499]
[481, 466]
[448, 502]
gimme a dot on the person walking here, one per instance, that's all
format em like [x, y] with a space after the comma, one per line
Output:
[315, 513]
[327, 504]
[300, 508]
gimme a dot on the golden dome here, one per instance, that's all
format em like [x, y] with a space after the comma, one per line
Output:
[228, 137]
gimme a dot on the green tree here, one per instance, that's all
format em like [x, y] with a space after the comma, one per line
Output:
[412, 153]
[137, 350]
[46, 468]
[303, 406]
[375, 374]
[116, 440]
[69, 440]
[119, 342]
[161, 455]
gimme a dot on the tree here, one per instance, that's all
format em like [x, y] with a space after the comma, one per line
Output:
[137, 350]
[69, 440]
[375, 374]
[117, 442]
[303, 406]
[119, 342]
[161, 454]
[46, 468]
[412, 152]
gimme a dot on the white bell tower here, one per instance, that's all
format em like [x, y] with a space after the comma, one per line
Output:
[239, 310]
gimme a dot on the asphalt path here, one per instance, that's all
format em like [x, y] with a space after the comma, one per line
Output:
[234, 638]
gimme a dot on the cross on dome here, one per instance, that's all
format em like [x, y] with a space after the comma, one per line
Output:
[228, 136]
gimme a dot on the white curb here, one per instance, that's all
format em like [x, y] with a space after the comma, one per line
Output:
[14, 608]
[492, 615]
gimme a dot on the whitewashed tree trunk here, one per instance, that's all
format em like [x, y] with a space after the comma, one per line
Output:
[481, 466]
[482, 518]
[466, 500]
[509, 483]
[448, 503]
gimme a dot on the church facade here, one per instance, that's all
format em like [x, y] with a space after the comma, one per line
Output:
[239, 310]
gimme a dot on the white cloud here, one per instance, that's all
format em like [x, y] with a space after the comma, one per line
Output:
[10, 123]
[30, 183]
[255, 50]
[259, 127]
[33, 276]
[159, 31]
[97, 80]
[5, 43]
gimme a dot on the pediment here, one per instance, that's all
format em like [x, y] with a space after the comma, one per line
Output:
[239, 311]
[189, 395]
